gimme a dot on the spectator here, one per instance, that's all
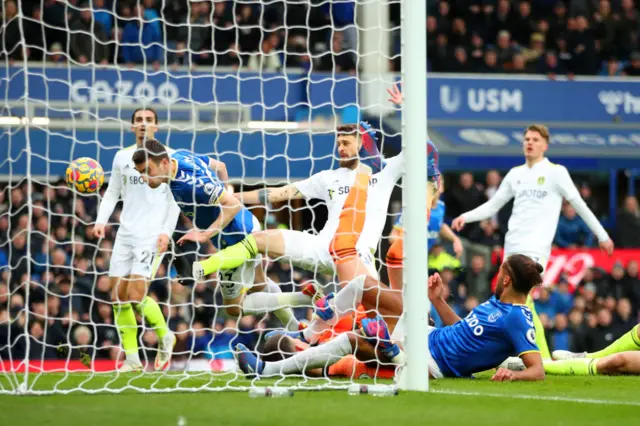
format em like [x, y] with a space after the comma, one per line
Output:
[561, 334]
[628, 224]
[490, 64]
[141, 43]
[582, 43]
[544, 304]
[536, 49]
[561, 297]
[589, 199]
[602, 335]
[464, 197]
[632, 285]
[104, 17]
[268, 59]
[248, 29]
[476, 278]
[441, 56]
[522, 25]
[624, 319]
[10, 31]
[337, 60]
[504, 49]
[35, 35]
[195, 39]
[476, 54]
[578, 331]
[550, 66]
[88, 39]
[572, 232]
[460, 64]
[459, 35]
[633, 69]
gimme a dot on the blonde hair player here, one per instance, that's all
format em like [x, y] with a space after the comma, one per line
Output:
[537, 187]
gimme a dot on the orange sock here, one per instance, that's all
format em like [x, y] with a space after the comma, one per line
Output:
[348, 366]
[395, 253]
[352, 218]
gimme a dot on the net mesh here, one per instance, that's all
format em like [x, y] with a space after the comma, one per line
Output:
[260, 86]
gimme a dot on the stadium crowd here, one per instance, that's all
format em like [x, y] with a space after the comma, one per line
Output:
[551, 37]
[66, 297]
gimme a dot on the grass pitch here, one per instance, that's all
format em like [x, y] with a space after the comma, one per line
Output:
[558, 401]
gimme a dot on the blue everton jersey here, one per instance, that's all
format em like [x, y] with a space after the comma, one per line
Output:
[491, 333]
[197, 190]
[435, 223]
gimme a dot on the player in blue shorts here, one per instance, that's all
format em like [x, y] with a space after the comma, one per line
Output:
[496, 329]
[218, 216]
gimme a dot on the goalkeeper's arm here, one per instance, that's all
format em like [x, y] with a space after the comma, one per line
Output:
[270, 195]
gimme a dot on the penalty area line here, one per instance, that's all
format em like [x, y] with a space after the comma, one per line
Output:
[538, 397]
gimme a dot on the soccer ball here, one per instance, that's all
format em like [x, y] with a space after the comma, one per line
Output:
[85, 175]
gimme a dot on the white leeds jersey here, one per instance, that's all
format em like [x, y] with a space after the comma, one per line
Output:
[146, 212]
[538, 192]
[332, 186]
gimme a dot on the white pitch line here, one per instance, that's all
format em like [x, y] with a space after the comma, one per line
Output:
[538, 397]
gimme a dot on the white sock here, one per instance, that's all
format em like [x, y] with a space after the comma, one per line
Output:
[316, 357]
[133, 357]
[271, 300]
[346, 301]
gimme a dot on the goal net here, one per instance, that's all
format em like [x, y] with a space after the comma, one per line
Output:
[260, 86]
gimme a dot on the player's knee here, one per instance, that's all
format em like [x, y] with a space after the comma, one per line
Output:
[136, 291]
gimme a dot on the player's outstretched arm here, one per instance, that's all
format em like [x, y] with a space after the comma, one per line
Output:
[571, 194]
[229, 208]
[446, 314]
[270, 195]
[110, 199]
[534, 370]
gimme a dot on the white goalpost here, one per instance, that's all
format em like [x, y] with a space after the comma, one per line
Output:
[260, 86]
[415, 375]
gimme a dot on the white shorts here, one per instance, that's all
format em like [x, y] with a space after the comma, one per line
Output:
[542, 259]
[398, 337]
[311, 252]
[234, 282]
[134, 258]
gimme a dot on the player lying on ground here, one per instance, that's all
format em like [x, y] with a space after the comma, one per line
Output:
[620, 357]
[496, 329]
[147, 221]
[538, 187]
[220, 218]
[312, 252]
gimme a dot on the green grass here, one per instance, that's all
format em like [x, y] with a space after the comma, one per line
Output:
[557, 401]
